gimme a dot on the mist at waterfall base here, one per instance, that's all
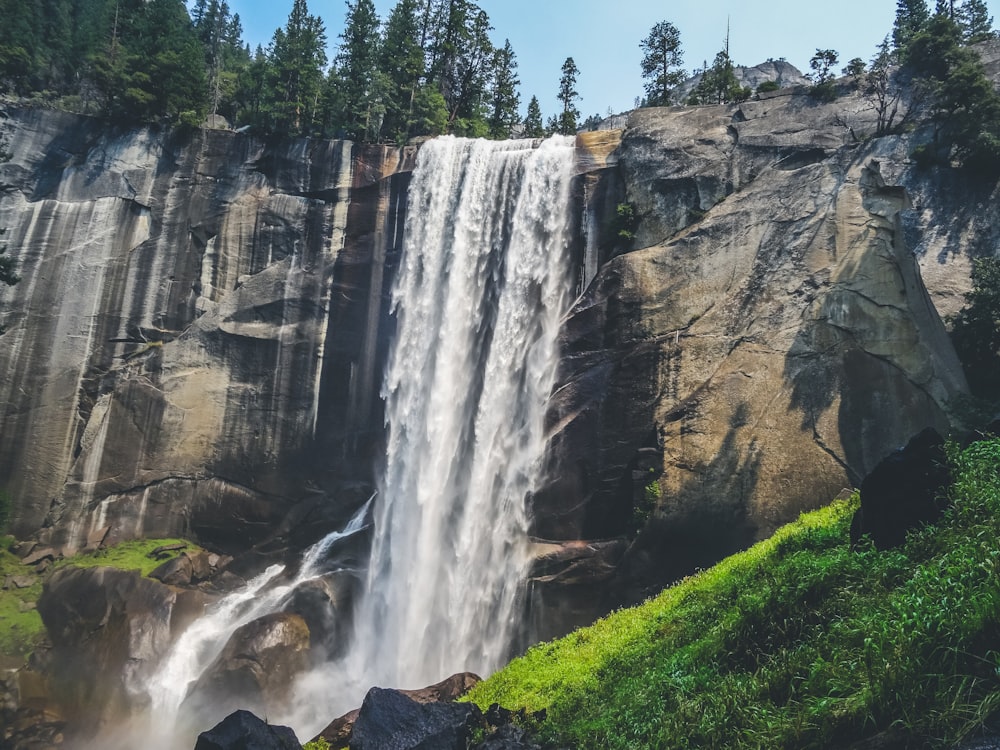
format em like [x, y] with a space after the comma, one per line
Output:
[478, 298]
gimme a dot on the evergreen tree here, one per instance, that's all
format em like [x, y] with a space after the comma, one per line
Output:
[718, 83]
[882, 88]
[358, 68]
[533, 124]
[504, 95]
[911, 17]
[661, 63]
[402, 62]
[963, 101]
[297, 57]
[975, 21]
[824, 84]
[568, 95]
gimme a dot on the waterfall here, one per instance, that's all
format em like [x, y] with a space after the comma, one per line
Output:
[479, 297]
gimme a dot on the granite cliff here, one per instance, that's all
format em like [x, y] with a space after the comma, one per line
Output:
[196, 347]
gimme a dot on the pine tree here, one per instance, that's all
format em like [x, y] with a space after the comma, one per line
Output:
[297, 57]
[504, 95]
[974, 18]
[358, 69]
[401, 60]
[911, 17]
[661, 63]
[568, 96]
[533, 124]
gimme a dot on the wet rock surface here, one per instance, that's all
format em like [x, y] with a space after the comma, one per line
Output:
[241, 730]
[254, 671]
[389, 720]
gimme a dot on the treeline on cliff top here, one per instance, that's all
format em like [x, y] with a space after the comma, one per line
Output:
[430, 67]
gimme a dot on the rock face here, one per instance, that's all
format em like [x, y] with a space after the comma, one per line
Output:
[389, 720]
[108, 629]
[198, 320]
[197, 343]
[764, 343]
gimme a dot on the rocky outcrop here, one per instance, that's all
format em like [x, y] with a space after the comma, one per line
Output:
[255, 670]
[765, 341]
[389, 719]
[108, 629]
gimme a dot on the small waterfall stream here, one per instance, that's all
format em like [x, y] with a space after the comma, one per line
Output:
[479, 298]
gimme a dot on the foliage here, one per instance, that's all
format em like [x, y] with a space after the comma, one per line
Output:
[21, 627]
[976, 330]
[975, 21]
[798, 642]
[718, 83]
[855, 68]
[504, 99]
[294, 75]
[767, 86]
[625, 221]
[963, 103]
[824, 85]
[661, 63]
[317, 744]
[533, 127]
[911, 17]
[568, 95]
[883, 89]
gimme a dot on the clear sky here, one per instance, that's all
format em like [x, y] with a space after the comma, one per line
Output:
[602, 36]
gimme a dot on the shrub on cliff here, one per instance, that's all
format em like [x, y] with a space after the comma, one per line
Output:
[976, 330]
[797, 642]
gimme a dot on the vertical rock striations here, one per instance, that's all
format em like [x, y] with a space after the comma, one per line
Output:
[185, 298]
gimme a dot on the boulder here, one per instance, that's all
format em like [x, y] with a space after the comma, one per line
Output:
[389, 720]
[255, 669]
[324, 604]
[903, 491]
[241, 730]
[338, 733]
[107, 622]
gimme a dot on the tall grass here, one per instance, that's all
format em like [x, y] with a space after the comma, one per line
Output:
[798, 642]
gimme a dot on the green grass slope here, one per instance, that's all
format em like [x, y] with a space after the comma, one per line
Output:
[798, 642]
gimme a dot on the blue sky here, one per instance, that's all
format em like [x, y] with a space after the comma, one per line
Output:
[603, 37]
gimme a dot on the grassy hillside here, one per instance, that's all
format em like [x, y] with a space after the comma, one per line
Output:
[798, 642]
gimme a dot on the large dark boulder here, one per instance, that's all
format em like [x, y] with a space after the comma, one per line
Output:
[338, 732]
[390, 720]
[109, 628]
[903, 491]
[255, 669]
[241, 730]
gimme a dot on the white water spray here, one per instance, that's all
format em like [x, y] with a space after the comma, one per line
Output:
[205, 639]
[481, 291]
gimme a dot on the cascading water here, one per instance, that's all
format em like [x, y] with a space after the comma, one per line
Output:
[479, 297]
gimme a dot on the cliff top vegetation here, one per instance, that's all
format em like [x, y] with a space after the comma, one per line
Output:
[799, 641]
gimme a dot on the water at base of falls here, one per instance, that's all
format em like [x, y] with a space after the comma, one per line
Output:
[479, 297]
